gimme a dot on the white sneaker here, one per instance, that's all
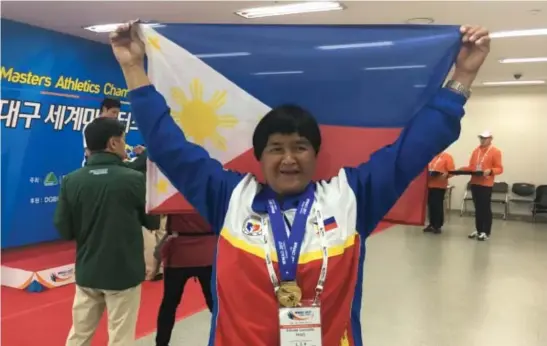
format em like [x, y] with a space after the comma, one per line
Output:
[482, 237]
[473, 235]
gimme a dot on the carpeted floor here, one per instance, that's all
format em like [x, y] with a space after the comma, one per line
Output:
[32, 319]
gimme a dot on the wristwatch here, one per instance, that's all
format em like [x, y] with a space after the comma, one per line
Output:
[458, 88]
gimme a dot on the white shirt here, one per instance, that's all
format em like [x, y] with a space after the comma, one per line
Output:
[83, 135]
[84, 143]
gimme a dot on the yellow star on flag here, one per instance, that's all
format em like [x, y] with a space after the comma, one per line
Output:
[161, 186]
[154, 42]
[345, 340]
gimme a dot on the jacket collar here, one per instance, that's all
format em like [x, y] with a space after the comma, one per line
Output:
[104, 158]
[260, 202]
[481, 148]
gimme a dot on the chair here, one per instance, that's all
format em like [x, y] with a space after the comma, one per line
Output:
[540, 202]
[523, 194]
[467, 196]
[500, 195]
[448, 200]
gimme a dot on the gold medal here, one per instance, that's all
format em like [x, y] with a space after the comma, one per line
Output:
[289, 294]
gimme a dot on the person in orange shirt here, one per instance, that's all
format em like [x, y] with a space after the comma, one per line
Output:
[437, 184]
[486, 159]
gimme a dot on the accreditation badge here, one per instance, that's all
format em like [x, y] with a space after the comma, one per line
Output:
[300, 326]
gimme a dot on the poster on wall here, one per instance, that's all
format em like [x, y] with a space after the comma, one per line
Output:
[52, 87]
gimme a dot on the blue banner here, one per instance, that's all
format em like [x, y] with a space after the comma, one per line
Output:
[52, 85]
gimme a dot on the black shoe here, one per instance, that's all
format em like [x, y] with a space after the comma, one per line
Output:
[158, 277]
[437, 231]
[428, 229]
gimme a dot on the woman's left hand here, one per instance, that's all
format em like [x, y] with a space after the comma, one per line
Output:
[473, 53]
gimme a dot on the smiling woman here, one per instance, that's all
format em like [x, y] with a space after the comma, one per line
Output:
[286, 142]
[304, 231]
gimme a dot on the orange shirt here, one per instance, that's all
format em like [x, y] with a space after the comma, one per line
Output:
[444, 162]
[482, 159]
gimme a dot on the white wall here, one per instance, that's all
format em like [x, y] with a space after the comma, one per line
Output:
[517, 118]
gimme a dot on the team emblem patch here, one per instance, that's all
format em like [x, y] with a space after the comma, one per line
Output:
[252, 226]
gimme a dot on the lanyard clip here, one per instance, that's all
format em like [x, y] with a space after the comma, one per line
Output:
[319, 288]
[318, 291]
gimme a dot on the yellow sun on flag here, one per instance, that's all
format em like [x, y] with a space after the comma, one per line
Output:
[199, 118]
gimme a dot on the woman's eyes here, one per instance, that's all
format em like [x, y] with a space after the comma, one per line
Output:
[298, 149]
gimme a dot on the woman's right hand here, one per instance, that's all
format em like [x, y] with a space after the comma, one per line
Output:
[127, 46]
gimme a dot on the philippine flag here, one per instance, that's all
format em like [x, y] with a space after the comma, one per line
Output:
[362, 83]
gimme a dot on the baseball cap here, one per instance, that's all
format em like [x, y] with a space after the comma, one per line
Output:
[485, 134]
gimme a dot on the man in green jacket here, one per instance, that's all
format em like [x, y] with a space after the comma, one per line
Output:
[102, 207]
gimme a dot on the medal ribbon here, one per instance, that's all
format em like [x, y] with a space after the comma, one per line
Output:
[288, 247]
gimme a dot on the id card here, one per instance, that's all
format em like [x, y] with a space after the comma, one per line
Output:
[300, 326]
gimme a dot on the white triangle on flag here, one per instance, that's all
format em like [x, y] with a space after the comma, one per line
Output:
[212, 111]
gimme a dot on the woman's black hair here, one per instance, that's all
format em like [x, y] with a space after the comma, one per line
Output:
[286, 119]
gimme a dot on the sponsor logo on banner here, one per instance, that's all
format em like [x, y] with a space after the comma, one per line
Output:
[58, 276]
[62, 275]
[51, 179]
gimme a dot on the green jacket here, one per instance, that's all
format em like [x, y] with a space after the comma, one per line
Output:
[102, 207]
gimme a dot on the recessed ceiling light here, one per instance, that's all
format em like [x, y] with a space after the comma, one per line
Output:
[293, 8]
[523, 60]
[519, 33]
[105, 28]
[514, 82]
[420, 20]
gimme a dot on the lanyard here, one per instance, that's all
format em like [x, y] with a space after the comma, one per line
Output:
[434, 165]
[288, 245]
[481, 159]
[282, 247]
